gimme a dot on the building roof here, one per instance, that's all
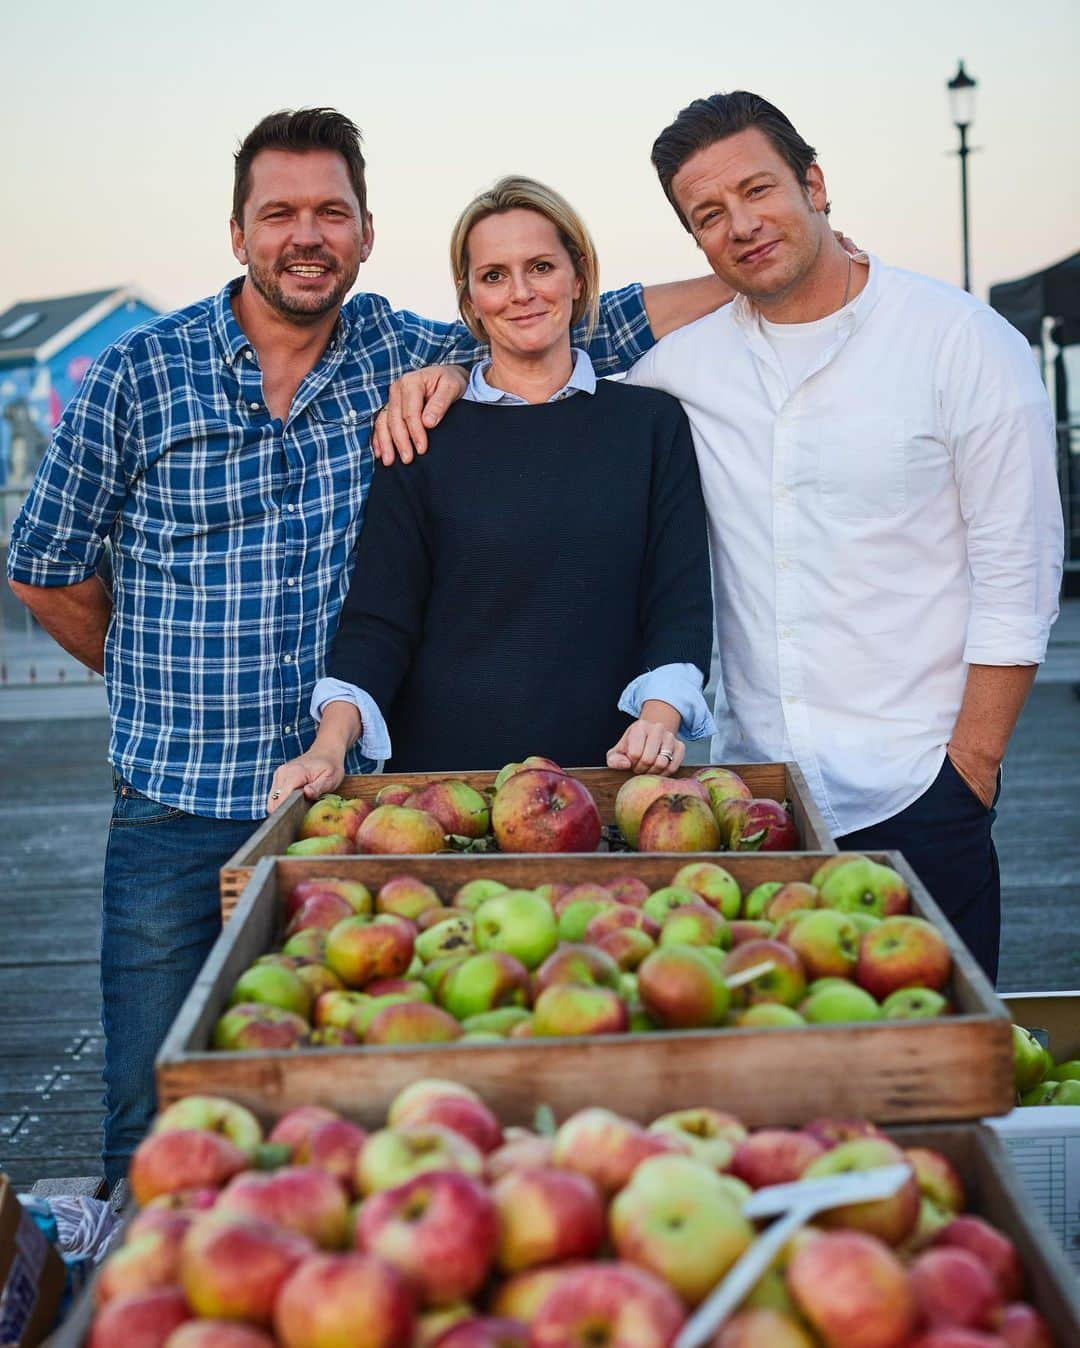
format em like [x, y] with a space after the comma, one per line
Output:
[34, 330]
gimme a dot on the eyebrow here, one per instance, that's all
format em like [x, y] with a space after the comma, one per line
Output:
[739, 186]
[288, 205]
[540, 257]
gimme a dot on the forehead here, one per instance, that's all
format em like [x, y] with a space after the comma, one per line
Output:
[724, 164]
[298, 175]
[519, 232]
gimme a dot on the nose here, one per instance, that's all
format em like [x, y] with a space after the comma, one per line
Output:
[307, 232]
[743, 221]
[520, 286]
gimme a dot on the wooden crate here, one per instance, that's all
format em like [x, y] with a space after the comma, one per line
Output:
[955, 1067]
[993, 1189]
[774, 781]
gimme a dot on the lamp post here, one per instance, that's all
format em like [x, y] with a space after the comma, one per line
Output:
[962, 111]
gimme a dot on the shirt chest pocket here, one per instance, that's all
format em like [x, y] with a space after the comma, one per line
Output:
[861, 466]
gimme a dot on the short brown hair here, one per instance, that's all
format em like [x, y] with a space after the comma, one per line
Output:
[305, 129]
[517, 193]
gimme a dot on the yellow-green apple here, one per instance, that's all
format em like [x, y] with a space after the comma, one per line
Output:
[298, 1197]
[412, 1022]
[637, 793]
[255, 1025]
[234, 1267]
[459, 808]
[1021, 1326]
[417, 1094]
[360, 950]
[621, 917]
[431, 917]
[215, 1114]
[990, 1245]
[345, 1301]
[914, 1004]
[483, 982]
[756, 826]
[696, 926]
[486, 1332]
[397, 830]
[308, 944]
[322, 910]
[567, 1009]
[717, 886]
[332, 1036]
[762, 1327]
[864, 921]
[522, 1294]
[393, 793]
[574, 910]
[831, 1131]
[774, 1156]
[628, 889]
[903, 952]
[546, 1216]
[756, 900]
[552, 891]
[318, 979]
[537, 810]
[473, 893]
[142, 1320]
[325, 845]
[453, 934]
[392, 1156]
[782, 930]
[1031, 1062]
[784, 981]
[607, 1147]
[582, 964]
[839, 1002]
[295, 1124]
[464, 1114]
[333, 1146]
[371, 1007]
[853, 1290]
[952, 1287]
[749, 929]
[148, 1258]
[406, 896]
[338, 1006]
[859, 885]
[512, 769]
[678, 1221]
[766, 1015]
[795, 895]
[891, 1219]
[274, 985]
[438, 1230]
[626, 946]
[528, 1151]
[827, 942]
[665, 900]
[1069, 1070]
[324, 819]
[723, 784]
[217, 1334]
[833, 863]
[518, 923]
[710, 1134]
[610, 1303]
[682, 989]
[432, 1324]
[678, 824]
[499, 1022]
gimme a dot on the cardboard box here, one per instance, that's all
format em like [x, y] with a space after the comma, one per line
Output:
[31, 1275]
[1043, 1141]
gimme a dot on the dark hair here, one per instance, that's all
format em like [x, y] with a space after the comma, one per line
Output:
[305, 129]
[708, 120]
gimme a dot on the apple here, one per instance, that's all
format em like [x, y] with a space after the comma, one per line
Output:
[766, 1015]
[537, 810]
[486, 1332]
[547, 1216]
[412, 988]
[433, 1324]
[394, 793]
[183, 1158]
[214, 1114]
[148, 1258]
[621, 917]
[628, 889]
[326, 845]
[498, 1022]
[512, 769]
[412, 1022]
[710, 1134]
[234, 1267]
[344, 1301]
[360, 950]
[890, 1219]
[406, 896]
[696, 926]
[681, 823]
[255, 1025]
[784, 982]
[638, 792]
[392, 1156]
[902, 952]
[522, 1150]
[914, 1004]
[1021, 1326]
[756, 826]
[626, 946]
[332, 1146]
[827, 942]
[552, 891]
[723, 784]
[483, 982]
[395, 829]
[839, 1002]
[793, 896]
[952, 1287]
[464, 1114]
[681, 988]
[338, 1006]
[355, 894]
[853, 1290]
[438, 1230]
[581, 964]
[417, 1094]
[663, 901]
[142, 1320]
[473, 893]
[324, 819]
[762, 1327]
[322, 910]
[1031, 1062]
[955, 1336]
[861, 885]
[756, 900]
[459, 808]
[606, 1147]
[747, 929]
[518, 923]
[609, 1303]
[216, 1334]
[274, 985]
[717, 886]
[295, 1124]
[566, 1009]
[774, 1156]
[521, 1295]
[936, 1177]
[994, 1248]
[296, 1197]
[578, 906]
[451, 934]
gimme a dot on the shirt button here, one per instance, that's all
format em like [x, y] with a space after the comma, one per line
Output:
[254, 406]
[290, 508]
[288, 730]
[785, 633]
[291, 581]
[287, 659]
[783, 563]
[250, 354]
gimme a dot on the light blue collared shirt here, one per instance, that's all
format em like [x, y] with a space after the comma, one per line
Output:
[679, 685]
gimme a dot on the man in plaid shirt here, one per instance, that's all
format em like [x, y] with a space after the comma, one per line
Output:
[223, 453]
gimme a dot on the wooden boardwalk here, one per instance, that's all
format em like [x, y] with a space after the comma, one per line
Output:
[55, 798]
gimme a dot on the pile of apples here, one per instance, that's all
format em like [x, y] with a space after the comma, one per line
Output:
[443, 1230]
[559, 960]
[1039, 1080]
[535, 806]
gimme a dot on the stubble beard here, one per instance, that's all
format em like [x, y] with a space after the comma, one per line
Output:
[300, 308]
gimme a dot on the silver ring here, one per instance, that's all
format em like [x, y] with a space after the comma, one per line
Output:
[274, 795]
[664, 754]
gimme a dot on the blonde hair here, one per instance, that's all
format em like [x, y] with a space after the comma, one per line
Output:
[516, 193]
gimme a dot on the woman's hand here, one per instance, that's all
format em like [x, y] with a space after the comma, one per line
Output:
[650, 744]
[317, 771]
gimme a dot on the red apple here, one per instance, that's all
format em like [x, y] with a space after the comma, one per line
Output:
[322, 910]
[520, 1296]
[397, 830]
[952, 1287]
[678, 823]
[359, 950]
[606, 1147]
[344, 1301]
[717, 886]
[580, 964]
[891, 1219]
[1021, 1326]
[406, 896]
[541, 811]
[756, 826]
[785, 982]
[459, 808]
[628, 889]
[392, 1156]
[637, 793]
[762, 1327]
[626, 947]
[936, 1177]
[332, 1146]
[215, 1114]
[412, 1022]
[485, 1332]
[234, 1267]
[464, 1114]
[144, 1320]
[571, 1009]
[524, 1151]
[994, 1248]
[774, 1156]
[681, 988]
[620, 917]
[298, 1198]
[296, 1123]
[607, 1303]
[546, 1216]
[853, 1290]
[183, 1158]
[148, 1258]
[355, 894]
[218, 1334]
[902, 952]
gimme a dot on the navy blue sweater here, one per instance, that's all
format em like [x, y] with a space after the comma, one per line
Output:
[510, 583]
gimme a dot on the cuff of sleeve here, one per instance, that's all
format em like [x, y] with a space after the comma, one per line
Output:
[678, 685]
[374, 737]
[1016, 640]
[29, 568]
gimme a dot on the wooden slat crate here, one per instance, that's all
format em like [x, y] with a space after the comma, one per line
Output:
[994, 1191]
[958, 1066]
[774, 781]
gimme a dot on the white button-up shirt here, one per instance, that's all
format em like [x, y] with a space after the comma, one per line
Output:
[892, 519]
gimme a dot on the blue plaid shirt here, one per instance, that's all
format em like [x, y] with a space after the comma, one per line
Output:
[232, 533]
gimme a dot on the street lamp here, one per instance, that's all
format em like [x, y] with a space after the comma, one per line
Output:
[962, 111]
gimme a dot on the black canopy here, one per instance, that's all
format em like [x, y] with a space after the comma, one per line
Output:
[1053, 293]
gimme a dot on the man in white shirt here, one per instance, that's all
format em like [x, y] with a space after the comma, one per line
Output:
[877, 456]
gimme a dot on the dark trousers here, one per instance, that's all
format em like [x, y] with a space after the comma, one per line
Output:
[945, 838]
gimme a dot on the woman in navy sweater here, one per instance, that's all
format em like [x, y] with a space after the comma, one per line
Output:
[539, 581]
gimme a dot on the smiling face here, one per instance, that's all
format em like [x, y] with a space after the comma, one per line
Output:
[302, 237]
[760, 228]
[521, 284]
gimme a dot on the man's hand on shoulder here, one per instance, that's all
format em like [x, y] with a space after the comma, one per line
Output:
[417, 402]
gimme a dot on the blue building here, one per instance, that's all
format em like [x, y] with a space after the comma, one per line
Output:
[46, 346]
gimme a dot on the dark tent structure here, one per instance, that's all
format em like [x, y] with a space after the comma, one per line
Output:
[1053, 293]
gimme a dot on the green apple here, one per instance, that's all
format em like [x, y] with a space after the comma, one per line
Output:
[274, 985]
[764, 1015]
[864, 886]
[1069, 1070]
[518, 923]
[914, 1004]
[717, 886]
[757, 900]
[446, 938]
[1042, 1094]
[483, 982]
[661, 901]
[474, 892]
[839, 1003]
[1031, 1062]
[498, 1022]
[577, 914]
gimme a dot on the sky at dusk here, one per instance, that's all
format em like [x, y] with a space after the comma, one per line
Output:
[128, 114]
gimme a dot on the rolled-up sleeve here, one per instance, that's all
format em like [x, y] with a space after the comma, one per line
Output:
[1001, 433]
[59, 534]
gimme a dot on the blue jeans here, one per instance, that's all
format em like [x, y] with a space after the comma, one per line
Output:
[160, 916]
[945, 836]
